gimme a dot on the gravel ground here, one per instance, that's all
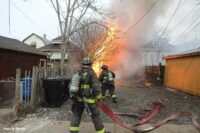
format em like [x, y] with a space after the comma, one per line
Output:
[134, 97]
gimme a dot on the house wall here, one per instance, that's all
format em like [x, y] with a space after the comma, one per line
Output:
[153, 57]
[34, 38]
[183, 74]
[71, 63]
[10, 60]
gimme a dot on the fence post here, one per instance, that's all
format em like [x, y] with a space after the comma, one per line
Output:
[17, 92]
[29, 73]
[44, 75]
[38, 74]
[33, 87]
[36, 85]
[1, 95]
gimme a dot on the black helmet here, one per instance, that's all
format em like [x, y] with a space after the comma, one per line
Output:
[86, 61]
[105, 67]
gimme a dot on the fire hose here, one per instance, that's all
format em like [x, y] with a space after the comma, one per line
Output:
[153, 111]
[195, 123]
[107, 110]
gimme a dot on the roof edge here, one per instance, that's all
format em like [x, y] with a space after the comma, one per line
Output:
[181, 55]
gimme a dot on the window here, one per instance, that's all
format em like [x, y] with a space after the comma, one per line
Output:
[42, 63]
[33, 44]
[152, 59]
[145, 59]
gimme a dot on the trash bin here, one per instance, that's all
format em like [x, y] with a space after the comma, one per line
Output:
[26, 84]
[53, 91]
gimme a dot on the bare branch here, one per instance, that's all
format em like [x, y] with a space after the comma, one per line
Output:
[56, 7]
[95, 41]
[89, 37]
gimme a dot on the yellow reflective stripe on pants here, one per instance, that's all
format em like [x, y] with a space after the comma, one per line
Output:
[83, 86]
[101, 131]
[113, 96]
[87, 100]
[90, 100]
[74, 128]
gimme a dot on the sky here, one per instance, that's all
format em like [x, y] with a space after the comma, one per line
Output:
[37, 16]
[183, 21]
[27, 17]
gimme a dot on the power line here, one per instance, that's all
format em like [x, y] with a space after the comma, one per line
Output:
[182, 20]
[184, 32]
[189, 30]
[170, 20]
[26, 16]
[194, 51]
[140, 19]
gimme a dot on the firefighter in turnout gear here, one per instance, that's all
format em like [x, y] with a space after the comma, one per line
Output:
[107, 80]
[86, 96]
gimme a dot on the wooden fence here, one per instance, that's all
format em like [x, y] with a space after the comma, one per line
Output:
[37, 91]
[155, 74]
[37, 96]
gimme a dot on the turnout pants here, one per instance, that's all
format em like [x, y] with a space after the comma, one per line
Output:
[111, 88]
[77, 109]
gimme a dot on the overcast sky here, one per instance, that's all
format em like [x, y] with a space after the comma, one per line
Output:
[37, 16]
[33, 16]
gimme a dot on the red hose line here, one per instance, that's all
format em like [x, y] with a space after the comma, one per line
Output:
[195, 123]
[106, 109]
[155, 109]
[159, 123]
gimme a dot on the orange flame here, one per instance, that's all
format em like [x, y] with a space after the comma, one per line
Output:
[106, 49]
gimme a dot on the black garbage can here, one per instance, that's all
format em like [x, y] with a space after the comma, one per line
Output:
[53, 91]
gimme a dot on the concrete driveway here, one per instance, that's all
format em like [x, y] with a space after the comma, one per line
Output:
[48, 126]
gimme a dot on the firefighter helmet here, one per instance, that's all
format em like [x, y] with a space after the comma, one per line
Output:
[105, 67]
[86, 61]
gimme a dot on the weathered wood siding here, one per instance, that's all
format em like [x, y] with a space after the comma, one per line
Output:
[10, 60]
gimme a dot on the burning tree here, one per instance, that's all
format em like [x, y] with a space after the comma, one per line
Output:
[97, 40]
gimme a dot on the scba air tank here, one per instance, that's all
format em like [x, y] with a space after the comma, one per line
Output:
[74, 85]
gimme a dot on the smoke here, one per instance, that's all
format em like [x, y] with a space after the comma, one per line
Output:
[127, 13]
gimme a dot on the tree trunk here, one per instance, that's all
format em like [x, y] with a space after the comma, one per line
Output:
[65, 39]
[62, 63]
